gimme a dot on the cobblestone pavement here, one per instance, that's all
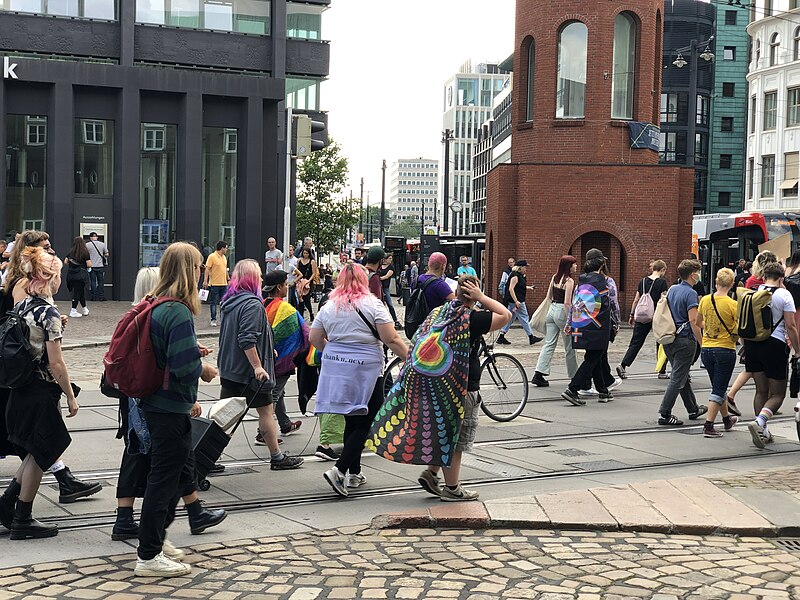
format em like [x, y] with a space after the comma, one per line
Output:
[786, 480]
[362, 563]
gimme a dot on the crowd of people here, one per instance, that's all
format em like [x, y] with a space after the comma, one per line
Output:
[339, 357]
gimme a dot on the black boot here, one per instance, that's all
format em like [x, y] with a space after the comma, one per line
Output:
[125, 527]
[501, 339]
[24, 526]
[539, 380]
[201, 518]
[534, 339]
[70, 489]
[7, 503]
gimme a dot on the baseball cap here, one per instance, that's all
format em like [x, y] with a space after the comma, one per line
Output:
[274, 279]
[595, 253]
[375, 254]
[521, 263]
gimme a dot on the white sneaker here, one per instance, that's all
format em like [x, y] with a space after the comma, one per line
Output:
[85, 311]
[74, 314]
[336, 481]
[590, 392]
[213, 323]
[354, 481]
[160, 566]
[616, 384]
[170, 551]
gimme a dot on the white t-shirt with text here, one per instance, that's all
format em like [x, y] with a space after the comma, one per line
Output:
[345, 326]
[782, 302]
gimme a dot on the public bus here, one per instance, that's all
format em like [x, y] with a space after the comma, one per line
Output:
[720, 240]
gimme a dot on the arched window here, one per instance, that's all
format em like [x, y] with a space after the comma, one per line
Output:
[774, 45]
[571, 91]
[796, 46]
[623, 81]
[530, 73]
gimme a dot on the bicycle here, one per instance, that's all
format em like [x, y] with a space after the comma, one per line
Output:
[504, 383]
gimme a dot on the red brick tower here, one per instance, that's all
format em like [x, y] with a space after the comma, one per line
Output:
[582, 72]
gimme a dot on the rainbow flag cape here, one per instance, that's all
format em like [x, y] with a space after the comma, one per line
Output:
[290, 333]
[420, 421]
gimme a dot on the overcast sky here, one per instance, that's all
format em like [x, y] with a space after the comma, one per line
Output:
[389, 63]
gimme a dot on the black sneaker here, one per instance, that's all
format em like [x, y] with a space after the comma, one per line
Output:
[539, 380]
[288, 462]
[533, 339]
[701, 410]
[326, 453]
[260, 440]
[621, 372]
[605, 398]
[732, 408]
[501, 339]
[572, 397]
[671, 420]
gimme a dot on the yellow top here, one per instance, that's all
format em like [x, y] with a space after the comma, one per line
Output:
[714, 333]
[217, 269]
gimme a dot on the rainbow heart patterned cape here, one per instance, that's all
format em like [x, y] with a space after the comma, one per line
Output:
[421, 419]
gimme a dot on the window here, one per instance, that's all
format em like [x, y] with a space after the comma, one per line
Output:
[94, 157]
[725, 161]
[243, 16]
[774, 46]
[728, 89]
[703, 107]
[87, 9]
[25, 170]
[753, 114]
[751, 171]
[304, 21]
[219, 189]
[701, 148]
[791, 174]
[302, 94]
[157, 191]
[796, 44]
[758, 50]
[729, 53]
[730, 17]
[571, 90]
[674, 107]
[36, 131]
[768, 176]
[94, 132]
[793, 4]
[231, 141]
[726, 124]
[530, 74]
[623, 79]
[767, 8]
[770, 110]
[153, 137]
[724, 199]
[793, 107]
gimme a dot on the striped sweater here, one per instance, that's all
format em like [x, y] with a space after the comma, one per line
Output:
[290, 333]
[175, 345]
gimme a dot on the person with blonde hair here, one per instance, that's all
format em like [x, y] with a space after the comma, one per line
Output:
[33, 416]
[166, 412]
[146, 280]
[716, 317]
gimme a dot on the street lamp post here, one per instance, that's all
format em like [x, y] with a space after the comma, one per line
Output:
[361, 211]
[447, 137]
[383, 202]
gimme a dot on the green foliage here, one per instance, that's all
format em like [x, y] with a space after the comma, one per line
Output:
[322, 176]
[407, 228]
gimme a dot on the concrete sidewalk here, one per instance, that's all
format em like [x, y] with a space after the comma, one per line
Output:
[763, 504]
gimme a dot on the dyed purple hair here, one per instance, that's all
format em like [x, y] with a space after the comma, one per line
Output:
[246, 277]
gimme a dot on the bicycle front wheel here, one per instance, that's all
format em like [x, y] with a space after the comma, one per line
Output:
[504, 387]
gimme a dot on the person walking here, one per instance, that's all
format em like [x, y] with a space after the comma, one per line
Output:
[166, 412]
[306, 274]
[716, 317]
[590, 328]
[386, 273]
[560, 291]
[681, 353]
[273, 258]
[290, 336]
[372, 262]
[78, 267]
[246, 357]
[33, 415]
[516, 292]
[768, 361]
[216, 278]
[98, 254]
[653, 285]
[350, 331]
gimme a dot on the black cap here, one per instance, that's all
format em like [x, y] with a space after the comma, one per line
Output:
[595, 253]
[274, 279]
[521, 263]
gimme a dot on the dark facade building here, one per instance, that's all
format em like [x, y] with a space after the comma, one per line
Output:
[583, 72]
[686, 90]
[151, 121]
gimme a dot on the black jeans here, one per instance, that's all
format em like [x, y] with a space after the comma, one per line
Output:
[639, 337]
[169, 476]
[356, 430]
[591, 369]
[78, 294]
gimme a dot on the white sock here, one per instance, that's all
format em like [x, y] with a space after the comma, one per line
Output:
[57, 466]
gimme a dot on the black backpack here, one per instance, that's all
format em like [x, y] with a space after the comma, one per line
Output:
[16, 360]
[416, 309]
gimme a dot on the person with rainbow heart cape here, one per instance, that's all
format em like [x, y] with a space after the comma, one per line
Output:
[431, 413]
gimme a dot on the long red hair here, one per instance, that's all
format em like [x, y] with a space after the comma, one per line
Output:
[564, 268]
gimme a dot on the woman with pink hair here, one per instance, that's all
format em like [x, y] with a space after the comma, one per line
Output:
[350, 330]
[246, 356]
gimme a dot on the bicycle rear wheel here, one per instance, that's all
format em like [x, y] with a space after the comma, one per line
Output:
[504, 387]
[392, 373]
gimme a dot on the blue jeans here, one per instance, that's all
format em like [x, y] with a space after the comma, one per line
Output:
[719, 363]
[556, 320]
[215, 294]
[520, 313]
[97, 282]
[387, 300]
[680, 354]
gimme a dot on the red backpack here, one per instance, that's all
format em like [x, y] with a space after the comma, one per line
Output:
[130, 363]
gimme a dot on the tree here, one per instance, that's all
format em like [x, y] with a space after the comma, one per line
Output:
[372, 221]
[407, 228]
[320, 215]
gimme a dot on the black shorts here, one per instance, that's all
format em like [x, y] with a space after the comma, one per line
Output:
[770, 357]
[231, 389]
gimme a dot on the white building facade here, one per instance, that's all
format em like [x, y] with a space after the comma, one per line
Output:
[413, 191]
[468, 101]
[773, 128]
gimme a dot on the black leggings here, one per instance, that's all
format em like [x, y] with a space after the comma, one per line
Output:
[78, 294]
[306, 303]
[356, 430]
